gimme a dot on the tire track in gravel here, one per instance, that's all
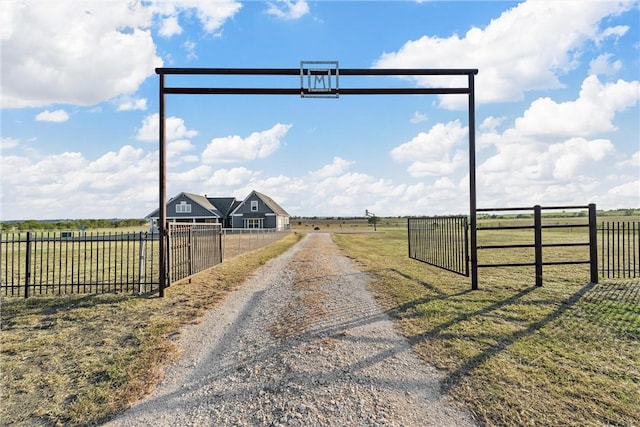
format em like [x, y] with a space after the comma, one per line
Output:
[301, 343]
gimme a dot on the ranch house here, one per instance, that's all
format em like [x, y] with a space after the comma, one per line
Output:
[257, 210]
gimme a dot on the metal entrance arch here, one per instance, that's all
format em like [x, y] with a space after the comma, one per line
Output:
[317, 75]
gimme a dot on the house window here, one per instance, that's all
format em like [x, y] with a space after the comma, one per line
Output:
[183, 207]
[253, 223]
[254, 206]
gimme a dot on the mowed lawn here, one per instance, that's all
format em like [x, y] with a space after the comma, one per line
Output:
[565, 354]
[514, 354]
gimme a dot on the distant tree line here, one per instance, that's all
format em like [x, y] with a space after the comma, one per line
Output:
[70, 224]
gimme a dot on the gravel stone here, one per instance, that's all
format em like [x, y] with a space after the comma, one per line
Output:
[301, 343]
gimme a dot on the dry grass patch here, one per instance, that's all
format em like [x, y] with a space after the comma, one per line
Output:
[77, 360]
[565, 354]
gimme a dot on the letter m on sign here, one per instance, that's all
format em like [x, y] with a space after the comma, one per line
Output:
[319, 79]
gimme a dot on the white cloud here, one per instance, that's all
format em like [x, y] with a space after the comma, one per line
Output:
[509, 63]
[175, 129]
[490, 124]
[603, 65]
[82, 53]
[64, 52]
[576, 154]
[8, 142]
[69, 185]
[590, 114]
[625, 195]
[288, 9]
[213, 14]
[127, 103]
[190, 48]
[57, 116]
[430, 153]
[335, 168]
[176, 149]
[633, 161]
[234, 148]
[170, 26]
[418, 117]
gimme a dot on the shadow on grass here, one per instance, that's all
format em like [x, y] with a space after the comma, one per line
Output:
[501, 339]
[13, 308]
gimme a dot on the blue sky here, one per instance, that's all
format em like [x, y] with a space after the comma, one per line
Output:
[557, 111]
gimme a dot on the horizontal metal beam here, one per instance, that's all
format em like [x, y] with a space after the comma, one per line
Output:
[306, 92]
[341, 71]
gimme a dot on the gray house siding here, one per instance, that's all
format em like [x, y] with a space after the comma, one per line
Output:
[196, 211]
[256, 211]
[259, 211]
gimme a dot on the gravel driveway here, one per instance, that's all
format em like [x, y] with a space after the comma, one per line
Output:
[301, 343]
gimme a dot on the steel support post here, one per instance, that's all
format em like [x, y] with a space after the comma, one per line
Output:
[162, 209]
[472, 184]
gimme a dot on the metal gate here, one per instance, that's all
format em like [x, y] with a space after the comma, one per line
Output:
[440, 241]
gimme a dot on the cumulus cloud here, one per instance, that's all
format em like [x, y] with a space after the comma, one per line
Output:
[68, 184]
[511, 64]
[335, 168]
[434, 152]
[175, 129]
[56, 116]
[288, 9]
[81, 53]
[78, 53]
[577, 153]
[234, 148]
[590, 114]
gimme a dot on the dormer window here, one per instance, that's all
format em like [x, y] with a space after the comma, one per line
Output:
[183, 207]
[254, 206]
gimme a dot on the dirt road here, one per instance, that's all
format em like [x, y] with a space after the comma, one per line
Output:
[302, 343]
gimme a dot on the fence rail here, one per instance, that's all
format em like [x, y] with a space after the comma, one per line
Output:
[537, 245]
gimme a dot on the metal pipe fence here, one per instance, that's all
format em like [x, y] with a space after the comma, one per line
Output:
[73, 262]
[537, 227]
[440, 241]
[192, 248]
[619, 249]
[237, 241]
[77, 262]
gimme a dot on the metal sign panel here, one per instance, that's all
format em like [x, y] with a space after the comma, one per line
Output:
[319, 79]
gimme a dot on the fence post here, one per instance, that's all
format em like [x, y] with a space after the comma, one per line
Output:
[593, 242]
[409, 236]
[141, 271]
[221, 235]
[190, 248]
[27, 266]
[537, 224]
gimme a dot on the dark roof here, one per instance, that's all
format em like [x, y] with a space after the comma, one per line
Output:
[204, 202]
[224, 204]
[200, 200]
